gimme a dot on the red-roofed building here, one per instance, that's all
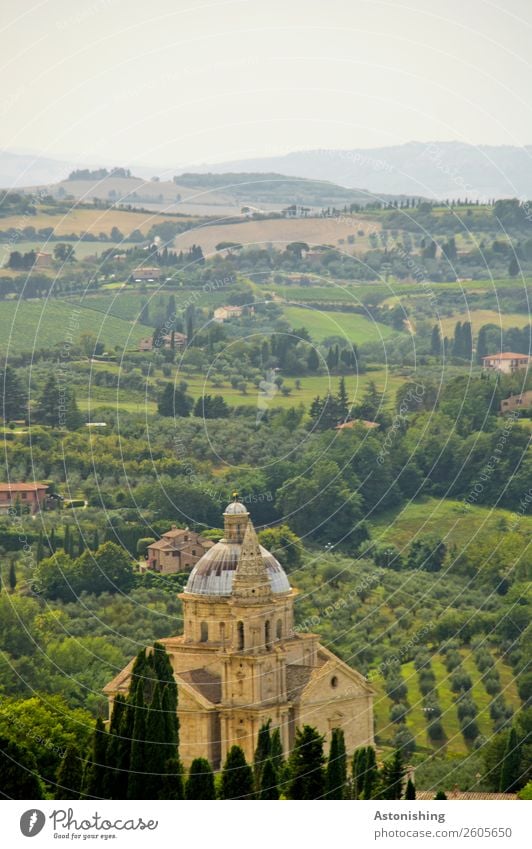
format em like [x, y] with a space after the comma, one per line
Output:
[507, 362]
[178, 550]
[31, 495]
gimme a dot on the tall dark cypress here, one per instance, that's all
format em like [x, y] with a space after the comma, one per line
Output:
[269, 786]
[262, 752]
[336, 773]
[305, 764]
[137, 779]
[511, 764]
[70, 775]
[96, 768]
[116, 778]
[200, 781]
[237, 776]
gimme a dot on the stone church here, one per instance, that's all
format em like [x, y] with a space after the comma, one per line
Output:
[240, 663]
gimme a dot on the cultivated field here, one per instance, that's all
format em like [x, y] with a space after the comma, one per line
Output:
[280, 232]
[353, 326]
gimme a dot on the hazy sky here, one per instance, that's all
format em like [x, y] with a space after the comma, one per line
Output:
[176, 82]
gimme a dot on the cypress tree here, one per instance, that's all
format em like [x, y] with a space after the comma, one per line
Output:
[116, 780]
[52, 542]
[336, 773]
[12, 578]
[440, 796]
[95, 540]
[70, 775]
[136, 783]
[200, 781]
[482, 344]
[269, 787]
[391, 777]
[343, 400]
[467, 340]
[410, 790]
[66, 540]
[306, 772]
[237, 776]
[171, 783]
[262, 752]
[510, 767]
[436, 341]
[40, 548]
[371, 774]
[358, 772]
[96, 769]
[458, 347]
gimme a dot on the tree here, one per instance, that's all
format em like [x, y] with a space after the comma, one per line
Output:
[14, 400]
[12, 579]
[440, 796]
[391, 777]
[511, 764]
[482, 344]
[142, 545]
[269, 788]
[410, 790]
[64, 253]
[70, 775]
[96, 769]
[108, 569]
[73, 419]
[237, 776]
[48, 403]
[364, 773]
[313, 360]
[284, 544]
[174, 402]
[336, 774]
[200, 781]
[18, 770]
[513, 267]
[305, 765]
[262, 752]
[436, 341]
[343, 400]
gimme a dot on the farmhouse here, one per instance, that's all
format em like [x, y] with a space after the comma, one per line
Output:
[167, 340]
[517, 402]
[31, 497]
[178, 550]
[145, 273]
[223, 313]
[240, 662]
[506, 362]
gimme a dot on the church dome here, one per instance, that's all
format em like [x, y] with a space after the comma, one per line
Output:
[214, 572]
[235, 508]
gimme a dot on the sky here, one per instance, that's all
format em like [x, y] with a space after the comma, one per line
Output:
[177, 82]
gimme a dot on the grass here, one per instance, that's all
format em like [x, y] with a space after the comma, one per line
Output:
[321, 324]
[43, 324]
[480, 317]
[447, 519]
[197, 385]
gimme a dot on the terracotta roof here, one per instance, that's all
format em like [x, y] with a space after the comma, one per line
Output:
[23, 487]
[507, 355]
[458, 794]
[206, 683]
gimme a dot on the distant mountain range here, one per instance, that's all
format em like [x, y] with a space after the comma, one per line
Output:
[432, 169]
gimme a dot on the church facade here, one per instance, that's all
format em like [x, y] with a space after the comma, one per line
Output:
[239, 662]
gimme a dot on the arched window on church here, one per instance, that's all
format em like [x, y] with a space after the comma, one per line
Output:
[279, 630]
[267, 635]
[240, 635]
[204, 632]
